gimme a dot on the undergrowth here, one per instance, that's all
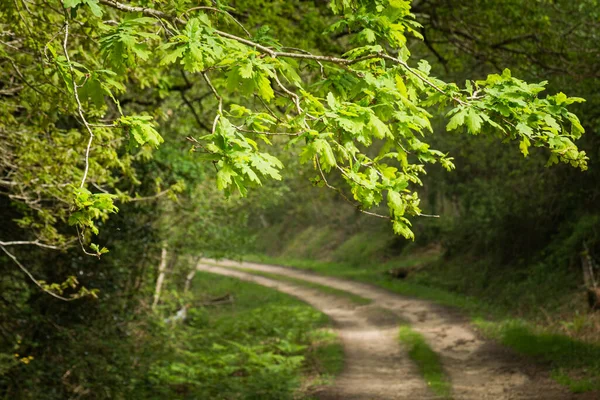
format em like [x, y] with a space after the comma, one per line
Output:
[264, 345]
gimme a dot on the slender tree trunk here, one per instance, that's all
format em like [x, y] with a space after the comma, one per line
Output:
[587, 265]
[593, 292]
[190, 275]
[161, 275]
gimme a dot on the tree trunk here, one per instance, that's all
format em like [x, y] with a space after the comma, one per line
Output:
[589, 278]
[191, 274]
[161, 275]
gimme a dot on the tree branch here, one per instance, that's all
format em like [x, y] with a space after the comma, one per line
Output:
[79, 107]
[32, 243]
[38, 284]
[219, 98]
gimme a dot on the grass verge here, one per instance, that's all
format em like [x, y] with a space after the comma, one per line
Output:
[376, 275]
[576, 364]
[427, 361]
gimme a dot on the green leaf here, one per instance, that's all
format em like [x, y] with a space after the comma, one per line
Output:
[94, 7]
[368, 35]
[458, 119]
[402, 228]
[395, 203]
[331, 101]
[379, 129]
[224, 177]
[141, 129]
[71, 3]
[326, 152]
[474, 121]
[246, 70]
[524, 146]
[263, 86]
[524, 129]
[93, 4]
[172, 56]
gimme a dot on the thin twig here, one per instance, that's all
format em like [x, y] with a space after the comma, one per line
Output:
[79, 237]
[189, 104]
[221, 11]
[321, 67]
[33, 243]
[420, 77]
[148, 198]
[357, 206]
[216, 120]
[294, 96]
[79, 106]
[428, 215]
[38, 284]
[269, 133]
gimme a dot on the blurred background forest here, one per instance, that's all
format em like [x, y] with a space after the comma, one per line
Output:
[511, 232]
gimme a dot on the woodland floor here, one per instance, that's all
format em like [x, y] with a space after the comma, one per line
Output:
[376, 364]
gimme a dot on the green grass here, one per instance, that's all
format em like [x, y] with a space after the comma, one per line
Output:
[356, 299]
[264, 345]
[324, 361]
[574, 363]
[427, 361]
[375, 274]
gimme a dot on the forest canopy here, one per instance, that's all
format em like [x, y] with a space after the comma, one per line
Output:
[78, 79]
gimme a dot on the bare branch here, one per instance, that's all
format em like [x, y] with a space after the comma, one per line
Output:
[269, 133]
[428, 215]
[214, 127]
[79, 237]
[32, 243]
[79, 106]
[420, 77]
[149, 198]
[38, 284]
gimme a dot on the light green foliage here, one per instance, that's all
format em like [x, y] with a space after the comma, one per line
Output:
[334, 108]
[91, 207]
[141, 130]
[127, 43]
[255, 348]
[101, 100]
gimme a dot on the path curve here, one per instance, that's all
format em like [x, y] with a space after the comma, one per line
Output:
[479, 369]
[376, 368]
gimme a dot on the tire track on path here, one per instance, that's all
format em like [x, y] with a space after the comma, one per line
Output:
[376, 367]
[479, 369]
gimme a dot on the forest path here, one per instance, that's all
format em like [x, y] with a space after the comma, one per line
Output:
[377, 367]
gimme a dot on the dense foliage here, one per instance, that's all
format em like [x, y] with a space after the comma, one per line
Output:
[122, 122]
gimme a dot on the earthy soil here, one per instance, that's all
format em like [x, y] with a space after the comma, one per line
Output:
[376, 365]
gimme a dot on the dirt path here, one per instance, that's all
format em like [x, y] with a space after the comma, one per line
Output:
[376, 367]
[479, 369]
